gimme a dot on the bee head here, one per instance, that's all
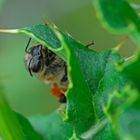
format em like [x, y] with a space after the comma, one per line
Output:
[37, 57]
[34, 58]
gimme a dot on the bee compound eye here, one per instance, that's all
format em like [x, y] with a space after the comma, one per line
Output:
[36, 66]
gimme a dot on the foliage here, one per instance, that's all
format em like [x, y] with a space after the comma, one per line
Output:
[103, 99]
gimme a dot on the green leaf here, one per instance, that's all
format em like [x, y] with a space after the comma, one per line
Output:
[46, 34]
[14, 126]
[79, 96]
[119, 17]
[123, 105]
[129, 128]
[109, 80]
[131, 70]
[124, 116]
[28, 130]
[52, 126]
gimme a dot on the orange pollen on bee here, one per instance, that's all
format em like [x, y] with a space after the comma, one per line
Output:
[56, 90]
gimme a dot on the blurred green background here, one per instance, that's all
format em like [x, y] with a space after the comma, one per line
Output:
[28, 95]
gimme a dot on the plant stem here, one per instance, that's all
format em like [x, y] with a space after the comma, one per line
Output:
[128, 58]
[95, 129]
[9, 31]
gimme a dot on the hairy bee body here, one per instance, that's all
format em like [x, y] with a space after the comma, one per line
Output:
[46, 66]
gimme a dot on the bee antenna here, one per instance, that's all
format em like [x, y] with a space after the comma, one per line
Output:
[29, 68]
[26, 48]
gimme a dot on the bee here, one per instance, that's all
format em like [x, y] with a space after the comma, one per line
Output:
[44, 64]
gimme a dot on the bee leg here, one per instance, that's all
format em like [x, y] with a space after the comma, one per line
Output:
[90, 44]
[62, 98]
[59, 92]
[56, 90]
